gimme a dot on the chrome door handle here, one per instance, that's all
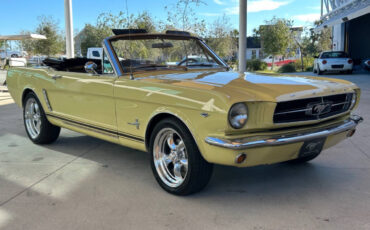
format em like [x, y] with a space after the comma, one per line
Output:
[56, 77]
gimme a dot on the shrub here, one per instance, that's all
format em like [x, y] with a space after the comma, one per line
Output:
[256, 64]
[309, 69]
[307, 64]
[287, 68]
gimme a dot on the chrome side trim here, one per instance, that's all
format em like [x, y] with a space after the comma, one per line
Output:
[253, 142]
[47, 99]
[96, 129]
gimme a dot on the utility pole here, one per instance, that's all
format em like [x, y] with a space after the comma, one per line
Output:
[322, 8]
[242, 35]
[69, 28]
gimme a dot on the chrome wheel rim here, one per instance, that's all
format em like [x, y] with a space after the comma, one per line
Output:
[170, 157]
[32, 118]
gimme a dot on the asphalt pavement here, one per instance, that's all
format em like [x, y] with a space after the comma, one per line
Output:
[80, 182]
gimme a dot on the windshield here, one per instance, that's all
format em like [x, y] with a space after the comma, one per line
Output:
[334, 55]
[162, 53]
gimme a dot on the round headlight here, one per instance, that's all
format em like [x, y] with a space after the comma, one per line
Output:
[238, 115]
[353, 101]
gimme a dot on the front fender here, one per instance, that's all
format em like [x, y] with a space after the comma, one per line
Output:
[198, 123]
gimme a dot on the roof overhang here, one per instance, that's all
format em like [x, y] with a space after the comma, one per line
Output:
[348, 12]
[22, 37]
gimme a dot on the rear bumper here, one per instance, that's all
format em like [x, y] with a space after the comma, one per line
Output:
[328, 67]
[258, 141]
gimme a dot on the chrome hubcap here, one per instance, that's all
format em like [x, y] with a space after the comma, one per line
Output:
[170, 157]
[32, 118]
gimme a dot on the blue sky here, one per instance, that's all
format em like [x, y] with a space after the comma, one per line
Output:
[17, 15]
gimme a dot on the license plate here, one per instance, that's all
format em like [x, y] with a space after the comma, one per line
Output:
[312, 147]
[337, 66]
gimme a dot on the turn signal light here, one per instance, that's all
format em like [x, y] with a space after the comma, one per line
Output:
[350, 61]
[324, 62]
[240, 158]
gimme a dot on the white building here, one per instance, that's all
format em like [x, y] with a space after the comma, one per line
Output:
[254, 50]
[350, 21]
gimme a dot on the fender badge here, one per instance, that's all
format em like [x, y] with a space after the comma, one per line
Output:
[136, 123]
[204, 115]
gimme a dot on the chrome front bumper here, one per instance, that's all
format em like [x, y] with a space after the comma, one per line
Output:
[262, 141]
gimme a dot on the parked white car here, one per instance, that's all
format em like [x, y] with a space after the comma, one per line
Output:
[333, 61]
[12, 54]
[17, 62]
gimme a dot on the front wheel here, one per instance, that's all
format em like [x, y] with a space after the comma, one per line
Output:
[176, 162]
[38, 128]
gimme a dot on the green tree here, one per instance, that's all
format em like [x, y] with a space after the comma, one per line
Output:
[28, 44]
[145, 21]
[314, 43]
[182, 16]
[275, 37]
[54, 43]
[219, 37]
[234, 34]
[93, 35]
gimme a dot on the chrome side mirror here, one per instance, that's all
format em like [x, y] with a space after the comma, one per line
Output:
[90, 67]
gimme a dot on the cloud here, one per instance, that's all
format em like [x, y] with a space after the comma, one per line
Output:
[219, 2]
[307, 17]
[258, 6]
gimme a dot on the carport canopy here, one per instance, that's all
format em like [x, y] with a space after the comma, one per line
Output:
[22, 37]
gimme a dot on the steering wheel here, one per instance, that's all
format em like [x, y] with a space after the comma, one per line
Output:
[187, 60]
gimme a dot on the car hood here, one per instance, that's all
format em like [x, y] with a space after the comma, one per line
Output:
[254, 87]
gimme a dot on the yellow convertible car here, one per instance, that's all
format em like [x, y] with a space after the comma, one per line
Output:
[171, 95]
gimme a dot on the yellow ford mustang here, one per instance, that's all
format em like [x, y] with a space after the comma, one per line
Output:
[171, 95]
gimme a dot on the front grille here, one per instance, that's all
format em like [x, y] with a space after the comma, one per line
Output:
[337, 66]
[310, 109]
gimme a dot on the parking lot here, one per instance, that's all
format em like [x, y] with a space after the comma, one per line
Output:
[81, 182]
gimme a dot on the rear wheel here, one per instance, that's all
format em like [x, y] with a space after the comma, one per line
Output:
[38, 128]
[176, 162]
[349, 71]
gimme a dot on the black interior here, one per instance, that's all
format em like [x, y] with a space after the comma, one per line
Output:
[71, 64]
